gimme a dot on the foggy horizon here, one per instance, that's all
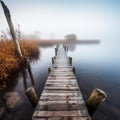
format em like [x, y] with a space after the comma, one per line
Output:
[54, 19]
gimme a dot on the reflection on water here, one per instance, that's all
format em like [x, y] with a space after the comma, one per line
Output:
[97, 66]
[24, 110]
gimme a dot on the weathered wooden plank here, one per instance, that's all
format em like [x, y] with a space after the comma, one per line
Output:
[62, 80]
[71, 78]
[61, 91]
[61, 85]
[61, 77]
[62, 65]
[58, 65]
[61, 73]
[63, 62]
[61, 68]
[61, 88]
[64, 71]
[64, 118]
[68, 84]
[61, 94]
[61, 107]
[53, 98]
[46, 102]
[75, 113]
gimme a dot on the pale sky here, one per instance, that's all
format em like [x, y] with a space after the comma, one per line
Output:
[88, 19]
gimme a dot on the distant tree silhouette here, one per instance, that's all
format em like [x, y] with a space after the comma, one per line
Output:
[70, 41]
[71, 37]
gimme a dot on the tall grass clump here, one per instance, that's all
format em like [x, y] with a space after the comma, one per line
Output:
[10, 62]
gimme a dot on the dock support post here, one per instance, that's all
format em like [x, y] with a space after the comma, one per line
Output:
[49, 69]
[65, 47]
[97, 97]
[55, 51]
[74, 70]
[70, 59]
[57, 46]
[52, 60]
[32, 95]
[30, 72]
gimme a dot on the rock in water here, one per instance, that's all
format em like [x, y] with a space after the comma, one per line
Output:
[13, 100]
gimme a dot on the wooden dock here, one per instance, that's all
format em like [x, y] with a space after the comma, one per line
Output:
[61, 98]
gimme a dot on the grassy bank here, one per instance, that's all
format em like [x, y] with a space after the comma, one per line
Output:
[9, 61]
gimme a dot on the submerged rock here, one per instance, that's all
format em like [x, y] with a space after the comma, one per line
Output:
[13, 100]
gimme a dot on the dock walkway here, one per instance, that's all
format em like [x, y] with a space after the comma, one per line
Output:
[61, 98]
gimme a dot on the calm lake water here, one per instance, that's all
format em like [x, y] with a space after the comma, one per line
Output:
[97, 66]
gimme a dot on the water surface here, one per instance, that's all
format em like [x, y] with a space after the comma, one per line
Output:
[97, 66]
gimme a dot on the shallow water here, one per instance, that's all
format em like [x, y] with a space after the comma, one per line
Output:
[97, 66]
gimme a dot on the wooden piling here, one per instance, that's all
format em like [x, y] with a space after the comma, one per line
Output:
[74, 70]
[70, 59]
[30, 72]
[32, 95]
[49, 70]
[52, 60]
[97, 97]
[24, 74]
[55, 51]
[57, 46]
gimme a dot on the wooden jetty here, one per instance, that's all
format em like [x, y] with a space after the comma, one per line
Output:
[61, 98]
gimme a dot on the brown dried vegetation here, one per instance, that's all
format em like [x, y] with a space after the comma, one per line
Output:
[9, 61]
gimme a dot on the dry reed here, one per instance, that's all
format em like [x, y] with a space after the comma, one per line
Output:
[9, 61]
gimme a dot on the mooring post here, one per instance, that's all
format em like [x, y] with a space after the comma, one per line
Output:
[49, 69]
[30, 72]
[32, 95]
[57, 46]
[52, 60]
[66, 48]
[74, 70]
[97, 97]
[70, 59]
[24, 78]
[55, 51]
